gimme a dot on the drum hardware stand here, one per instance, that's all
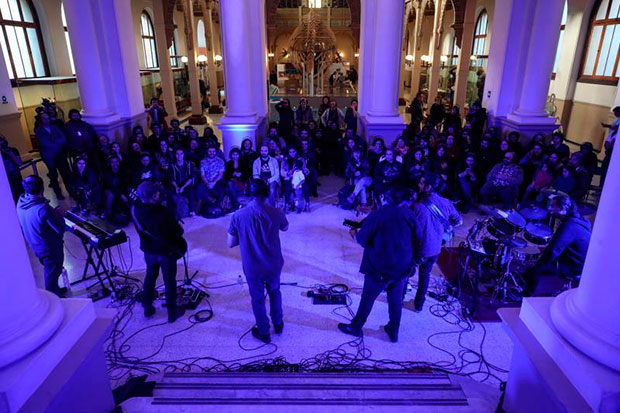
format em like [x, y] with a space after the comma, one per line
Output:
[505, 278]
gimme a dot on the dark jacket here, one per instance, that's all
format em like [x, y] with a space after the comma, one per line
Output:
[165, 232]
[181, 174]
[428, 236]
[117, 183]
[303, 117]
[43, 227]
[569, 244]
[352, 167]
[387, 236]
[52, 142]
[81, 136]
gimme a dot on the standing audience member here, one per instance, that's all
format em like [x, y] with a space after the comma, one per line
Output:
[12, 161]
[351, 117]
[81, 139]
[115, 186]
[303, 114]
[52, 142]
[255, 229]
[43, 228]
[287, 119]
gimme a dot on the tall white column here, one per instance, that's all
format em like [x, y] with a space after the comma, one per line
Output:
[589, 316]
[435, 51]
[212, 70]
[11, 124]
[367, 47]
[29, 316]
[197, 117]
[464, 59]
[240, 120]
[416, 69]
[87, 57]
[543, 41]
[163, 56]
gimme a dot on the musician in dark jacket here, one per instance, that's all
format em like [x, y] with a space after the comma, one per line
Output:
[43, 227]
[386, 236]
[52, 142]
[434, 216]
[161, 240]
[567, 250]
[115, 185]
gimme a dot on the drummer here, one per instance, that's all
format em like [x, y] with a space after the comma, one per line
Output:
[566, 252]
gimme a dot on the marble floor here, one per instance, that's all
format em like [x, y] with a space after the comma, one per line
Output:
[317, 250]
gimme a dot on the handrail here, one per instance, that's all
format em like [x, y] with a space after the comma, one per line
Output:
[31, 163]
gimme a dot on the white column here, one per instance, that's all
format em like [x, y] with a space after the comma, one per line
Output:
[367, 46]
[212, 71]
[87, 58]
[240, 120]
[416, 69]
[163, 56]
[197, 117]
[11, 125]
[29, 316]
[589, 316]
[464, 59]
[435, 52]
[543, 41]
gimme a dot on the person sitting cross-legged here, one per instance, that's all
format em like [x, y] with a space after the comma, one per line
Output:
[503, 182]
[181, 178]
[266, 168]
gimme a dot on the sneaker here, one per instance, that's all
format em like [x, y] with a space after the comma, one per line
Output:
[175, 314]
[418, 308]
[265, 338]
[149, 311]
[350, 330]
[391, 333]
[278, 328]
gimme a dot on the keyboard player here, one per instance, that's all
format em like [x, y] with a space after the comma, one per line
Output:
[43, 228]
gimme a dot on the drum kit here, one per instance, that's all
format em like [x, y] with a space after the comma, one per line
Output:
[502, 247]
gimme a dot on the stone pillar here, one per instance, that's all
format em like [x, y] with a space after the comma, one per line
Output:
[12, 124]
[212, 69]
[382, 118]
[464, 59]
[367, 45]
[197, 117]
[29, 316]
[163, 56]
[240, 120]
[416, 68]
[435, 52]
[88, 57]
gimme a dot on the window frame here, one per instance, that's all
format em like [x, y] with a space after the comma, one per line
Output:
[25, 25]
[151, 39]
[604, 23]
[174, 58]
[67, 39]
[483, 37]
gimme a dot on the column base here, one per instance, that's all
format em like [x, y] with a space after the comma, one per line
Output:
[386, 127]
[118, 129]
[197, 120]
[527, 126]
[547, 373]
[215, 109]
[236, 129]
[68, 372]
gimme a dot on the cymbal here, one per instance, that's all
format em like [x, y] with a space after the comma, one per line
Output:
[534, 213]
[538, 230]
[514, 242]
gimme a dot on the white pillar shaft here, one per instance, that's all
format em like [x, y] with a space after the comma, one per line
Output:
[29, 316]
[464, 59]
[544, 36]
[194, 86]
[387, 59]
[236, 35]
[212, 72]
[367, 46]
[435, 50]
[258, 56]
[416, 69]
[85, 40]
[163, 56]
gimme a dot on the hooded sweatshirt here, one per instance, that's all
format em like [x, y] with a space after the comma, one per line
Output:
[569, 244]
[42, 226]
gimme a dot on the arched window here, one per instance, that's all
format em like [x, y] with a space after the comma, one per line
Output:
[21, 40]
[67, 41]
[174, 57]
[561, 39]
[480, 39]
[148, 41]
[601, 57]
[200, 34]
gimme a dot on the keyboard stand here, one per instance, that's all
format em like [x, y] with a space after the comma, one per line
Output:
[97, 262]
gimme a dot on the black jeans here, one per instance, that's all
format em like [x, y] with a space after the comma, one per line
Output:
[168, 267]
[532, 275]
[257, 285]
[52, 268]
[373, 286]
[57, 163]
[424, 275]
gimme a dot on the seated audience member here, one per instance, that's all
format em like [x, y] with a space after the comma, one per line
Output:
[349, 145]
[81, 138]
[307, 153]
[247, 153]
[12, 162]
[115, 189]
[287, 170]
[157, 135]
[275, 152]
[543, 178]
[565, 181]
[104, 149]
[236, 175]
[565, 254]
[138, 136]
[453, 121]
[163, 158]
[351, 117]
[332, 115]
[303, 114]
[532, 161]
[181, 179]
[358, 175]
[145, 171]
[559, 147]
[134, 156]
[416, 167]
[514, 144]
[376, 152]
[503, 182]
[116, 151]
[590, 160]
[388, 173]
[583, 177]
[156, 113]
[85, 187]
[486, 156]
[266, 168]
[43, 227]
[52, 143]
[437, 113]
[213, 187]
[468, 179]
[194, 154]
[331, 151]
[554, 163]
[453, 152]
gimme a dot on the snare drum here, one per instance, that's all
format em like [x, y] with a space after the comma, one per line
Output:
[538, 234]
[526, 257]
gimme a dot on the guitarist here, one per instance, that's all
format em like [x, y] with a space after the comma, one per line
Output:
[161, 240]
[436, 218]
